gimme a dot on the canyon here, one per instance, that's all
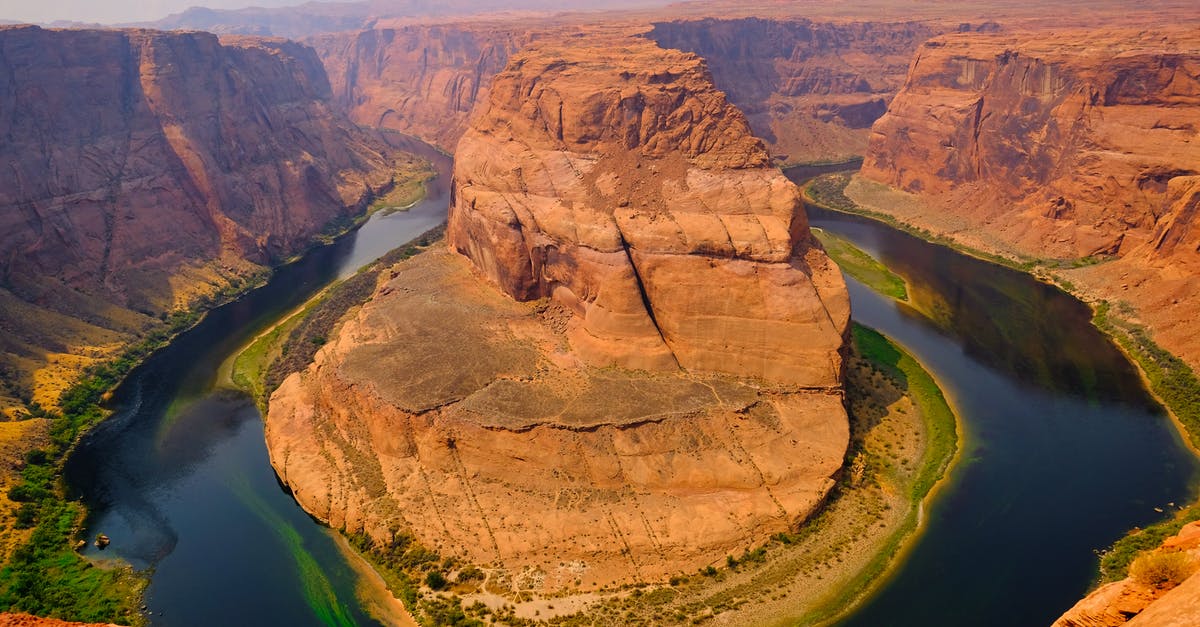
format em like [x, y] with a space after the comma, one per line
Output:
[1077, 152]
[549, 394]
[811, 90]
[147, 171]
[626, 360]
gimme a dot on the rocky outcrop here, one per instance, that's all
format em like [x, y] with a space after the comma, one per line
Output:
[810, 89]
[145, 169]
[623, 186]
[1080, 144]
[545, 429]
[423, 80]
[1139, 603]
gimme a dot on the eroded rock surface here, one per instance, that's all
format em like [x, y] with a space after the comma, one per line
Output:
[418, 79]
[1064, 146]
[810, 89]
[546, 428]
[447, 410]
[145, 168]
[618, 182]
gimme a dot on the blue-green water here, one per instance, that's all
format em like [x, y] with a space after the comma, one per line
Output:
[180, 479]
[1064, 450]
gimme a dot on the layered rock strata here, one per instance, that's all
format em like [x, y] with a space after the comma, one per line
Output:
[810, 89]
[522, 405]
[418, 79]
[144, 169]
[1065, 146]
[623, 186]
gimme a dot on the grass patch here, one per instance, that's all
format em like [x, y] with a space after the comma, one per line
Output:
[863, 267]
[403, 195]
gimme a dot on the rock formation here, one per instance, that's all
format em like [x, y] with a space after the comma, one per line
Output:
[637, 197]
[144, 169]
[1137, 603]
[810, 89]
[1065, 146]
[418, 79]
[546, 428]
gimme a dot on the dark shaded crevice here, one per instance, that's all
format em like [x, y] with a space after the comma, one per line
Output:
[637, 276]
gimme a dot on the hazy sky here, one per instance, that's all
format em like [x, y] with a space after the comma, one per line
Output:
[110, 11]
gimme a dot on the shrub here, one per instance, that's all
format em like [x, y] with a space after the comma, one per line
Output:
[1162, 568]
[435, 580]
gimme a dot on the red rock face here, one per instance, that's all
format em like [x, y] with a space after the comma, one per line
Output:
[141, 166]
[421, 80]
[810, 89]
[1065, 146]
[617, 181]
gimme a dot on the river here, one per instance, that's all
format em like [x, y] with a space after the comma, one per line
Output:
[1063, 450]
[179, 477]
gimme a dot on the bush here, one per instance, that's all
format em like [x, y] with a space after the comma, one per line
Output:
[1162, 569]
[435, 580]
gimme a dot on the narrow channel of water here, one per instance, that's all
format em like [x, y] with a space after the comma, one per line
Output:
[179, 477]
[1063, 452]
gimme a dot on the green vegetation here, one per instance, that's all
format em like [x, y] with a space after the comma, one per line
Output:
[1172, 380]
[318, 591]
[941, 442]
[863, 267]
[1162, 569]
[1176, 385]
[402, 196]
[404, 564]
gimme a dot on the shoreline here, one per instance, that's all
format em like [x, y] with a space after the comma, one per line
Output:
[1117, 335]
[876, 553]
[83, 406]
[907, 541]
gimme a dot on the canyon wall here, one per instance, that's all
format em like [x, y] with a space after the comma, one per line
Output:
[1075, 145]
[422, 80]
[625, 365]
[811, 89]
[145, 169]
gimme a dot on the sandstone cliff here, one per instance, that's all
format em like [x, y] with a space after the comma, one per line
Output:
[810, 89]
[1059, 145]
[611, 188]
[419, 79]
[625, 187]
[144, 169]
